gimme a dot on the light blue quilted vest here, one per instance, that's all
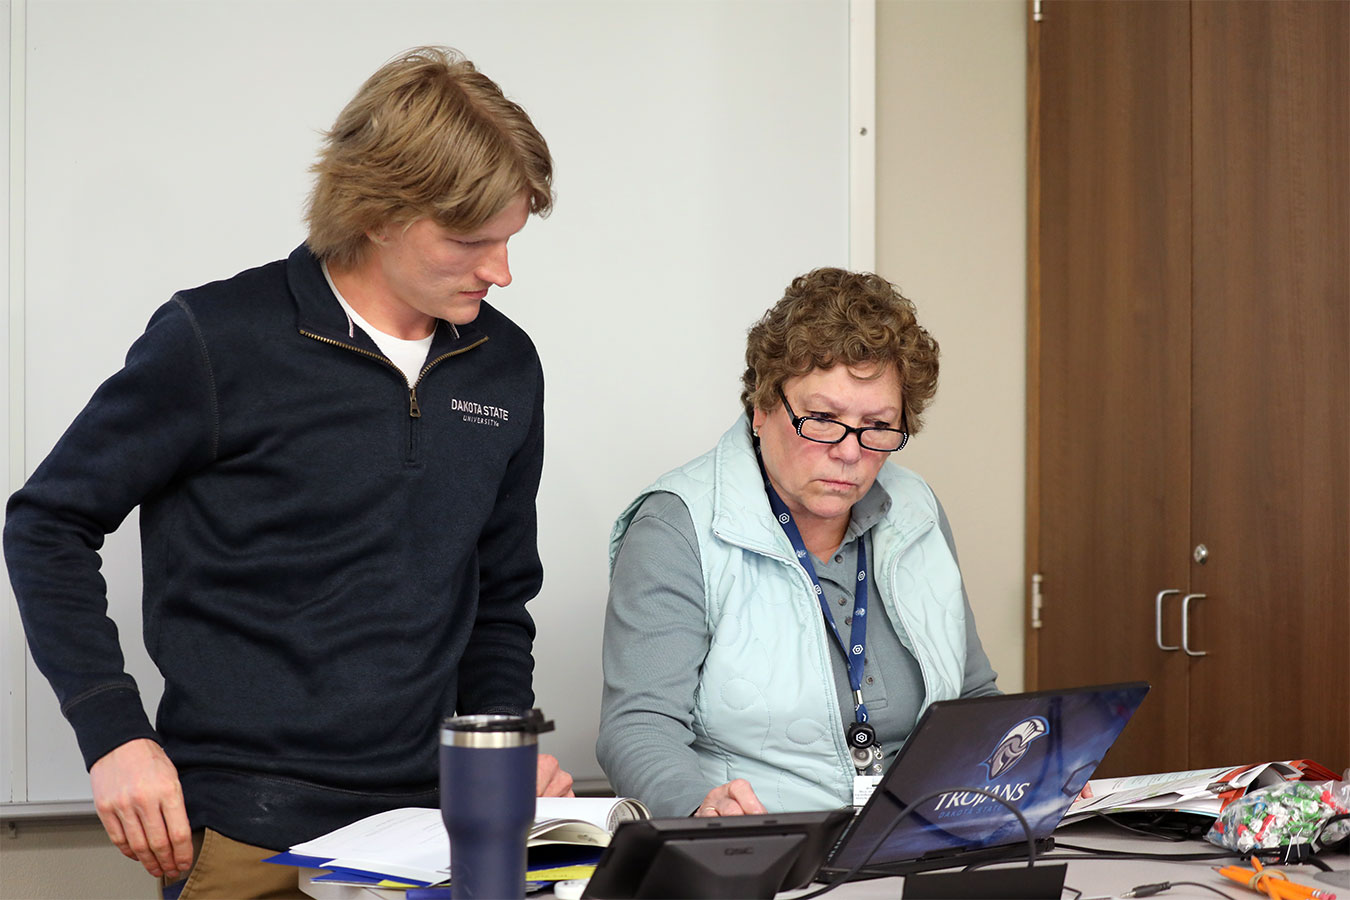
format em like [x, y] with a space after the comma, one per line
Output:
[765, 709]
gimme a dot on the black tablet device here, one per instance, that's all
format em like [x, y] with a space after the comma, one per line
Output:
[717, 857]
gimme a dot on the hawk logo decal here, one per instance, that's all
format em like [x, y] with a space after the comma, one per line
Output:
[1015, 743]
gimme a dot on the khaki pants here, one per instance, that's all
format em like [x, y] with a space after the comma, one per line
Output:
[223, 869]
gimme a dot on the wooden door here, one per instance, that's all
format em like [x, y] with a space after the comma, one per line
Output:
[1109, 515]
[1270, 442]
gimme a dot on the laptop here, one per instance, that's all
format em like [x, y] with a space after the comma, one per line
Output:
[1035, 750]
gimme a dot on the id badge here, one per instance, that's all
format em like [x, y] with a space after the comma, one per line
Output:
[863, 788]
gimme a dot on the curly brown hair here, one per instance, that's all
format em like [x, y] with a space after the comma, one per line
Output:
[427, 136]
[829, 317]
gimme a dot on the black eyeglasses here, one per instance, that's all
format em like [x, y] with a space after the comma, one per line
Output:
[832, 431]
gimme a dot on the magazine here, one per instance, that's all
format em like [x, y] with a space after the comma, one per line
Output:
[411, 845]
[1202, 792]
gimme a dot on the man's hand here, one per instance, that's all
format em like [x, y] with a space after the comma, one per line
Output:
[140, 804]
[552, 781]
[735, 798]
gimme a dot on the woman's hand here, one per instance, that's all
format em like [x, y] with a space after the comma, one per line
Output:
[735, 798]
[552, 781]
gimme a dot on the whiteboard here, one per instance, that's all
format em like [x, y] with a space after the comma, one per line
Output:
[702, 160]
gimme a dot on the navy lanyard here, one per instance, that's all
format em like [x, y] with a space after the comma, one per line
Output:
[854, 652]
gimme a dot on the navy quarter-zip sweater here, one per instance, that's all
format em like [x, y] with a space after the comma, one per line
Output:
[333, 559]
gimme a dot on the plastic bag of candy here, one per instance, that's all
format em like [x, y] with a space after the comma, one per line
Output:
[1285, 814]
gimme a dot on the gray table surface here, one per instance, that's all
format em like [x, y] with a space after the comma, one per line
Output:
[1111, 878]
[1096, 879]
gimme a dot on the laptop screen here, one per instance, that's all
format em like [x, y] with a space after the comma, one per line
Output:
[1034, 750]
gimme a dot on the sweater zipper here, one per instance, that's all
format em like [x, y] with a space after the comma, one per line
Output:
[414, 409]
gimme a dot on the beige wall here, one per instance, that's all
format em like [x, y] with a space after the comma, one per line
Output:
[951, 232]
[70, 860]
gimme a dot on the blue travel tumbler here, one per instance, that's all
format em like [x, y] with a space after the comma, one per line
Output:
[488, 768]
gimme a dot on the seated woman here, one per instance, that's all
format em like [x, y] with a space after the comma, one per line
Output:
[783, 608]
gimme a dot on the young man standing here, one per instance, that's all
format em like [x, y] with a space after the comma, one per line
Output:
[336, 457]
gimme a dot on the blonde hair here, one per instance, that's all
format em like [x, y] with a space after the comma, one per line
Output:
[831, 317]
[427, 136]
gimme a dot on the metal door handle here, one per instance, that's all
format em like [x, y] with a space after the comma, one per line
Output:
[1186, 625]
[1157, 619]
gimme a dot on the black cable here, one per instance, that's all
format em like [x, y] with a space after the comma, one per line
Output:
[1148, 890]
[1319, 839]
[1100, 853]
[1089, 854]
[1289, 855]
[1145, 831]
[849, 875]
[1154, 829]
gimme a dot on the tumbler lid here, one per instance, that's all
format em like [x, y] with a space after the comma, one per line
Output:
[494, 730]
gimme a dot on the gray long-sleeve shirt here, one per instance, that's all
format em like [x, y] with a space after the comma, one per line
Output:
[656, 640]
